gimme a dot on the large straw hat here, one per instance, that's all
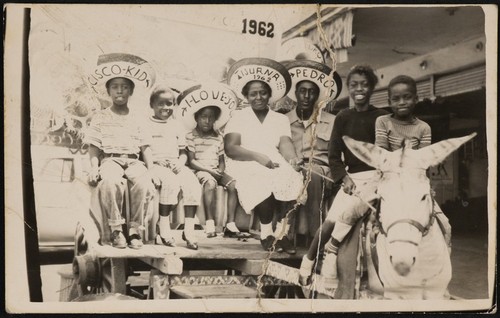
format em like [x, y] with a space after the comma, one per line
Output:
[212, 94]
[260, 69]
[300, 48]
[318, 73]
[125, 65]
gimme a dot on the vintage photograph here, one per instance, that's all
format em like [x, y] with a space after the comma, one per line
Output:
[250, 158]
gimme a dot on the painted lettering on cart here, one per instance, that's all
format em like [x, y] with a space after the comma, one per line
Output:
[258, 27]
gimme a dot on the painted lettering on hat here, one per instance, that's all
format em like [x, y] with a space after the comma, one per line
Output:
[259, 72]
[107, 71]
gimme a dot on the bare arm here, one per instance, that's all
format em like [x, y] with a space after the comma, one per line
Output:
[195, 164]
[222, 163]
[147, 156]
[234, 150]
[287, 150]
[94, 153]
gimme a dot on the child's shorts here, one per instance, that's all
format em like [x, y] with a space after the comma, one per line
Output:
[204, 177]
[349, 208]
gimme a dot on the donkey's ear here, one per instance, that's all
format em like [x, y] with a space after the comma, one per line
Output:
[436, 153]
[370, 154]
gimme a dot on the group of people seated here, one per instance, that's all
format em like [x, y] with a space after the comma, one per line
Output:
[271, 164]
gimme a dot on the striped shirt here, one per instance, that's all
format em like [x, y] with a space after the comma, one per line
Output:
[206, 149]
[169, 137]
[113, 133]
[391, 132]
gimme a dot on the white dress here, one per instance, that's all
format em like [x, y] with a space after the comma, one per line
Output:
[254, 182]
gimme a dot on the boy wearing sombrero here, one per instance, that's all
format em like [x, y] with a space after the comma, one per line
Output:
[116, 139]
[312, 82]
[169, 155]
[205, 109]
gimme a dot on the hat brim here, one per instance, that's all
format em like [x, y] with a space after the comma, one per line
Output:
[122, 65]
[197, 97]
[320, 74]
[259, 69]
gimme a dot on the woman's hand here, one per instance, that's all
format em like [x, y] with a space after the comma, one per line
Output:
[176, 166]
[348, 185]
[296, 164]
[266, 161]
[94, 177]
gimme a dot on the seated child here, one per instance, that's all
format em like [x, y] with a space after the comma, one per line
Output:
[169, 155]
[391, 130]
[358, 123]
[206, 157]
[115, 141]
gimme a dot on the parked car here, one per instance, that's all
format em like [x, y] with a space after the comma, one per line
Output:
[62, 198]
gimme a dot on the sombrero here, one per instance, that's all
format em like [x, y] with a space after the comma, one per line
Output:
[125, 65]
[260, 69]
[213, 94]
[299, 48]
[315, 72]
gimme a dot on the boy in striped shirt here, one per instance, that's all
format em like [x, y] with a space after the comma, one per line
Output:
[391, 130]
[206, 156]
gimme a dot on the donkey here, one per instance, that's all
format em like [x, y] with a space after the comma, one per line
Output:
[410, 250]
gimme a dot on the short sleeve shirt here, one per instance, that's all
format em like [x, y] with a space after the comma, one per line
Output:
[169, 136]
[302, 134]
[113, 133]
[206, 149]
[260, 137]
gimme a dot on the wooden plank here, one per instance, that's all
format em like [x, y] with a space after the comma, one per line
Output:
[170, 264]
[291, 275]
[152, 251]
[119, 275]
[214, 291]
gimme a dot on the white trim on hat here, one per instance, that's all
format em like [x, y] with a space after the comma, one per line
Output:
[197, 97]
[259, 69]
[320, 74]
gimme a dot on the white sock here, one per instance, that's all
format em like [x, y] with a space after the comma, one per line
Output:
[266, 230]
[209, 226]
[231, 226]
[340, 231]
[132, 231]
[164, 225]
[189, 227]
[279, 228]
[306, 266]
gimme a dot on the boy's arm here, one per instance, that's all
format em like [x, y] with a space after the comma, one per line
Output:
[94, 153]
[222, 163]
[147, 156]
[195, 164]
[381, 134]
[426, 138]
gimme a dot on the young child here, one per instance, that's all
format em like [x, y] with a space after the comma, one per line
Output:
[358, 123]
[169, 155]
[391, 130]
[206, 157]
[118, 138]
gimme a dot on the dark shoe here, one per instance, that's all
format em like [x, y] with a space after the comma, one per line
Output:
[163, 241]
[267, 244]
[238, 235]
[191, 245]
[118, 240]
[211, 234]
[287, 246]
[135, 241]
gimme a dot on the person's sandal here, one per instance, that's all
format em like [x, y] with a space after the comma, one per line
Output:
[118, 240]
[211, 234]
[238, 235]
[190, 244]
[170, 242]
[135, 241]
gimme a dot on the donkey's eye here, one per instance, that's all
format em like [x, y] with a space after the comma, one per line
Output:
[424, 197]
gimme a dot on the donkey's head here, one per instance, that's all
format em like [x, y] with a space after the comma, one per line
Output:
[406, 210]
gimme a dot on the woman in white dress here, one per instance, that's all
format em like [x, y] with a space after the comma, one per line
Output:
[260, 153]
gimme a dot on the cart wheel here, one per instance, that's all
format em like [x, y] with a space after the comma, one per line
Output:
[86, 273]
[106, 276]
[81, 245]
